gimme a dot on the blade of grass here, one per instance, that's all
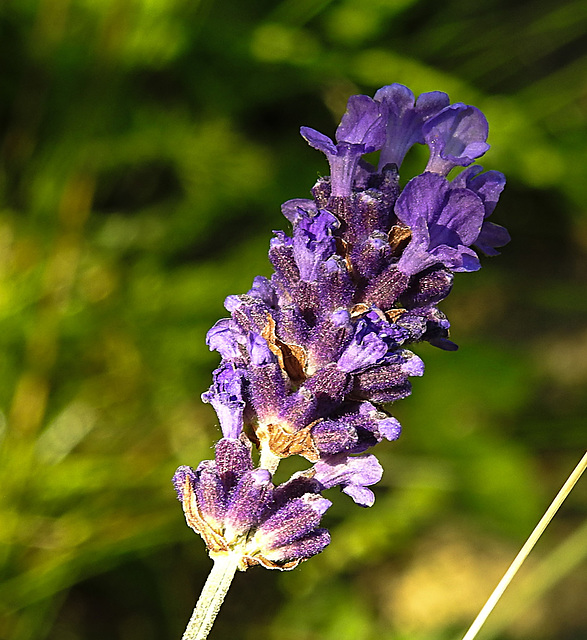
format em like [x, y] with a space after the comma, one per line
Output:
[557, 565]
[525, 550]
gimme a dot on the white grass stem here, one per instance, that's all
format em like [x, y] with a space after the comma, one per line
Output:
[554, 567]
[211, 598]
[525, 550]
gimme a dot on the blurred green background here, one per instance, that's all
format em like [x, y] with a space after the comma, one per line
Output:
[146, 147]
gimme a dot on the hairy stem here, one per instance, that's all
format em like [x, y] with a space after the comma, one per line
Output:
[211, 598]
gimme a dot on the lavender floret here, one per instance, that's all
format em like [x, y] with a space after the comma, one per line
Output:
[235, 511]
[362, 130]
[313, 357]
[405, 117]
[456, 137]
[445, 221]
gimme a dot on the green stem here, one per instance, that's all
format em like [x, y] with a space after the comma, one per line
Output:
[211, 597]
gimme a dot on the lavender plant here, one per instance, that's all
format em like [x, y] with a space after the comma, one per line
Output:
[313, 356]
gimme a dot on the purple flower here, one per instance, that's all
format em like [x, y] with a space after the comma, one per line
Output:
[488, 186]
[291, 533]
[226, 396]
[405, 117]
[264, 290]
[225, 338]
[237, 509]
[267, 386]
[456, 137]
[313, 242]
[293, 209]
[259, 352]
[373, 339]
[365, 349]
[360, 427]
[444, 221]
[313, 354]
[352, 473]
[362, 130]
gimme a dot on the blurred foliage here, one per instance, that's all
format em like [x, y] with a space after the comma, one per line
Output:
[146, 147]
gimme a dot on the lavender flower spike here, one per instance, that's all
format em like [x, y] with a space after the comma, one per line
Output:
[313, 357]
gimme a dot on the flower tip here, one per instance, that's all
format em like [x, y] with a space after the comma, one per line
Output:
[444, 343]
[183, 475]
[414, 365]
[319, 504]
[318, 140]
[362, 496]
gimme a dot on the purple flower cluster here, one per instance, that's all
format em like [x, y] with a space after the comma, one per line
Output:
[311, 355]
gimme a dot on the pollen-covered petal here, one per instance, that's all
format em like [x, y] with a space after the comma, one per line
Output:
[233, 460]
[328, 338]
[301, 549]
[428, 287]
[333, 436]
[335, 285]
[203, 499]
[182, 475]
[267, 390]
[297, 486]
[360, 427]
[329, 382]
[246, 502]
[210, 494]
[281, 255]
[389, 382]
[294, 520]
